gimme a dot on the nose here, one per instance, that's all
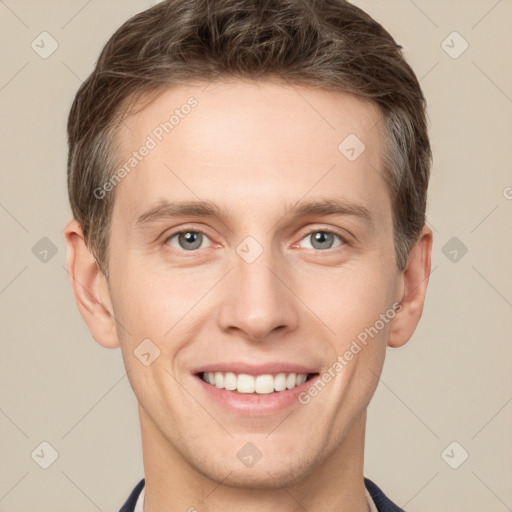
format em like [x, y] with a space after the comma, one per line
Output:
[258, 302]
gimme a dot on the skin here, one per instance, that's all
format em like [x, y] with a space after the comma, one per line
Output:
[255, 150]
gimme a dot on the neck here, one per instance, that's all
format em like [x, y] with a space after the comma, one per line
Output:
[336, 484]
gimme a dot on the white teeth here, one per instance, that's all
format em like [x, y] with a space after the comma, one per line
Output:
[280, 382]
[301, 378]
[245, 383]
[219, 380]
[261, 384]
[230, 381]
[291, 381]
[264, 384]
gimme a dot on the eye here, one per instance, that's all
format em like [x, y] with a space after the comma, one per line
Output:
[189, 240]
[322, 239]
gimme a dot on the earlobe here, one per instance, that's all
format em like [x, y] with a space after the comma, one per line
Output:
[415, 280]
[90, 288]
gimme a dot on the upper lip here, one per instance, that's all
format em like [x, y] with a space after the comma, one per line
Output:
[255, 369]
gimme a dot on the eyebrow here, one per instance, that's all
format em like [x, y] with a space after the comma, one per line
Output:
[165, 209]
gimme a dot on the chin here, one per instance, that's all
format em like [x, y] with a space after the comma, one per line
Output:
[270, 475]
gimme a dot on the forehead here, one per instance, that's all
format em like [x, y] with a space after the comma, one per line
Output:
[251, 143]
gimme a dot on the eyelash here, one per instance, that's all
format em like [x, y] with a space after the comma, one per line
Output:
[302, 236]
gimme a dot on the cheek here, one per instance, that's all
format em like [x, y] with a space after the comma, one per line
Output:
[149, 303]
[348, 300]
[161, 313]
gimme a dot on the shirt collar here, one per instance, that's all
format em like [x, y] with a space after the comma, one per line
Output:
[139, 506]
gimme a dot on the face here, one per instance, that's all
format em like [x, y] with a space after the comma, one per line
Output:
[250, 247]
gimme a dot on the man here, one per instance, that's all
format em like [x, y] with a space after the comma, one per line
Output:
[248, 182]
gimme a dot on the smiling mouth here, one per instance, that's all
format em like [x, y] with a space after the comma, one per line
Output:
[255, 384]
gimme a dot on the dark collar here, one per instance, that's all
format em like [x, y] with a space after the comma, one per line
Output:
[382, 502]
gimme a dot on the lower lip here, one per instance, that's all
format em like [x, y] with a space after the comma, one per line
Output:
[252, 404]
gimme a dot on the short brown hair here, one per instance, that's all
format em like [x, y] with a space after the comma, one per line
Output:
[328, 44]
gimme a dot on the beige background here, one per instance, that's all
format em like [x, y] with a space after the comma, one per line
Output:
[452, 382]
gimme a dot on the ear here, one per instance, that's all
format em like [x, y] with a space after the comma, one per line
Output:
[414, 285]
[90, 288]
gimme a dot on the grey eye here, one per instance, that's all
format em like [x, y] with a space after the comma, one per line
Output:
[321, 239]
[187, 240]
